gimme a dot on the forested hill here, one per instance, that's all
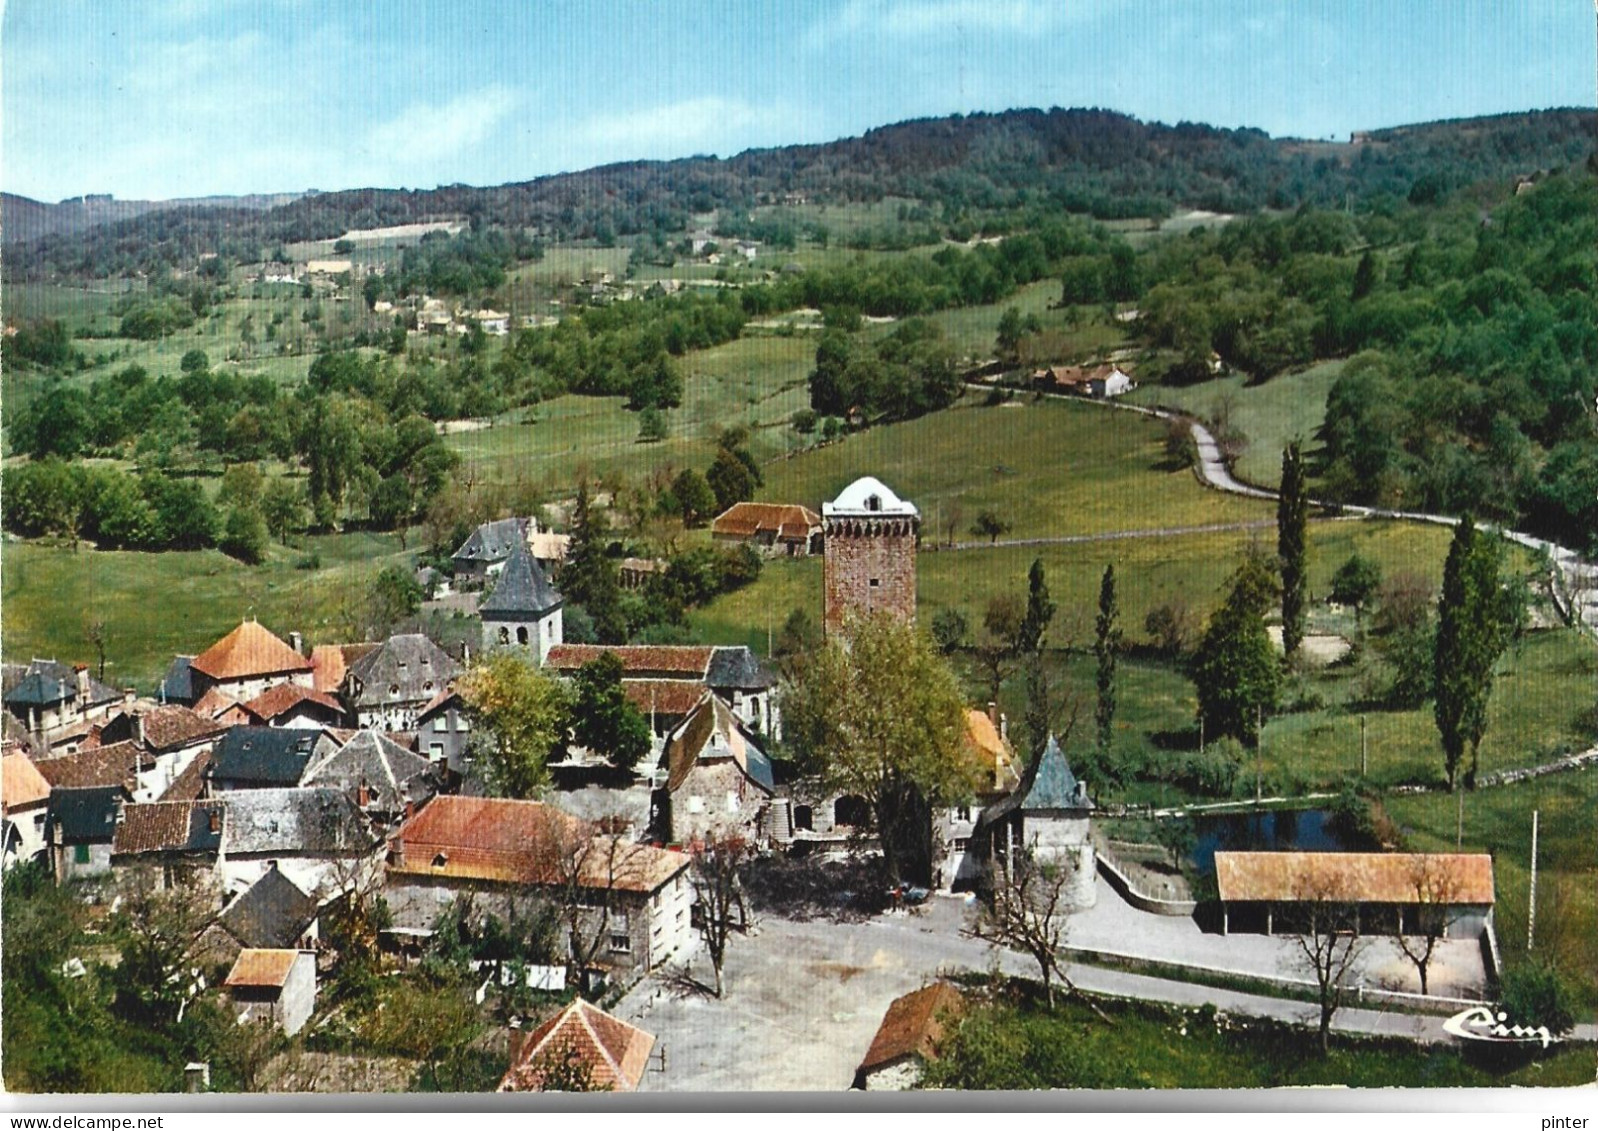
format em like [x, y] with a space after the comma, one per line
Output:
[968, 172]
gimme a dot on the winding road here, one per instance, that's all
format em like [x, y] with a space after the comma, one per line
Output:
[1574, 581]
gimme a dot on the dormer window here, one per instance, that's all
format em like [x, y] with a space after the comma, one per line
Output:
[440, 860]
[874, 502]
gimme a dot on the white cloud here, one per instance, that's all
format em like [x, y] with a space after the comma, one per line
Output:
[906, 19]
[426, 134]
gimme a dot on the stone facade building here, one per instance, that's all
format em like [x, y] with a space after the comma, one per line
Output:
[524, 610]
[869, 554]
[718, 780]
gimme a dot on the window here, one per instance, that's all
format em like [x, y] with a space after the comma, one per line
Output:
[732, 801]
[462, 723]
[80, 854]
[874, 503]
[875, 582]
[696, 804]
[441, 723]
[435, 752]
[521, 634]
[963, 813]
[962, 844]
[620, 943]
[441, 859]
[504, 634]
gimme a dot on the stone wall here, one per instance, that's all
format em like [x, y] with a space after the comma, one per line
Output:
[869, 566]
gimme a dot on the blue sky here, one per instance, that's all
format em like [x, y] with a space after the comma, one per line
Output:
[165, 98]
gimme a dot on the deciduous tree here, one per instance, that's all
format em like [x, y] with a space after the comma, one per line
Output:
[521, 716]
[882, 718]
[604, 720]
[1234, 668]
[719, 892]
[1330, 944]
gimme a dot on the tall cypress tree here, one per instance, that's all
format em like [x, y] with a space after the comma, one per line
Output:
[588, 578]
[1292, 508]
[1106, 644]
[1029, 644]
[1470, 638]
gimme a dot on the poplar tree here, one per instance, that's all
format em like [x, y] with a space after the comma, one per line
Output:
[1292, 547]
[1106, 644]
[1470, 638]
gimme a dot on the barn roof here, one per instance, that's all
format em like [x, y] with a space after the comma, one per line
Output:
[1363, 877]
[262, 968]
[913, 1025]
[614, 1052]
[788, 522]
[249, 650]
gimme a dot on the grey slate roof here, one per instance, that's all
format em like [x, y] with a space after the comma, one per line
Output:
[493, 541]
[49, 682]
[177, 686]
[86, 815]
[294, 822]
[263, 756]
[522, 590]
[273, 914]
[392, 774]
[1050, 784]
[738, 666]
[411, 662]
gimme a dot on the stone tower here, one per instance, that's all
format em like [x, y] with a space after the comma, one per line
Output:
[869, 559]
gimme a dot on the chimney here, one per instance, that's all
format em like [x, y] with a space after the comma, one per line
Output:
[466, 654]
[138, 728]
[297, 642]
[993, 713]
[82, 672]
[517, 1040]
[197, 1076]
[129, 694]
[215, 825]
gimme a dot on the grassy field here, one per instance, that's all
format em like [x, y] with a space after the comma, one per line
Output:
[1498, 821]
[1270, 415]
[157, 605]
[1021, 1044]
[1052, 468]
[759, 382]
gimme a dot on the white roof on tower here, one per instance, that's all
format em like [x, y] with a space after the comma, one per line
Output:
[868, 497]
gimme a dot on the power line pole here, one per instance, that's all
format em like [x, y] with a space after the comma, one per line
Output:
[1364, 750]
[1259, 752]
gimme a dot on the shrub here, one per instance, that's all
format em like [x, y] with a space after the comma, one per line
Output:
[1537, 994]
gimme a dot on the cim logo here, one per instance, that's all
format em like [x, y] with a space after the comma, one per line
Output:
[1480, 1023]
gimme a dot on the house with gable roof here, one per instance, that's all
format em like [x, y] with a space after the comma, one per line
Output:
[277, 987]
[501, 851]
[257, 757]
[718, 781]
[664, 680]
[246, 662]
[986, 742]
[443, 728]
[388, 686]
[612, 1053]
[908, 1037]
[777, 528]
[271, 914]
[385, 780]
[81, 827]
[295, 707]
[524, 610]
[25, 803]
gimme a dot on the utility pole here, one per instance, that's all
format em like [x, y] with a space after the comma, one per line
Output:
[1459, 818]
[1364, 751]
[1531, 899]
[1259, 752]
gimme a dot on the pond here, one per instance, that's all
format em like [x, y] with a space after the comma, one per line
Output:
[1270, 830]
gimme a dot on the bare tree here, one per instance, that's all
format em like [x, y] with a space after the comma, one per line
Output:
[1437, 890]
[1329, 944]
[1029, 910]
[719, 893]
[95, 633]
[590, 866]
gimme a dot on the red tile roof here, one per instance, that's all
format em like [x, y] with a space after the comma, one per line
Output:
[525, 842]
[21, 784]
[789, 522]
[663, 696]
[614, 1052]
[190, 784]
[116, 764]
[330, 663]
[249, 650]
[169, 726]
[262, 968]
[1363, 877]
[913, 1025]
[159, 826]
[283, 698]
[668, 660]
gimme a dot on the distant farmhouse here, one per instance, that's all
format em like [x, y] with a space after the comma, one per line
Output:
[777, 528]
[1100, 381]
